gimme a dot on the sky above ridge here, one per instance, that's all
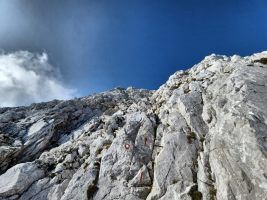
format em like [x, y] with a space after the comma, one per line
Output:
[89, 46]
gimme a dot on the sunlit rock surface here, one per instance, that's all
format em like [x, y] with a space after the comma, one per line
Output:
[202, 135]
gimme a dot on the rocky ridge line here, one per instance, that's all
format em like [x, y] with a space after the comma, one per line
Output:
[202, 135]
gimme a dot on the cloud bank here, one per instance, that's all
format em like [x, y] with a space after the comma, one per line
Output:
[26, 78]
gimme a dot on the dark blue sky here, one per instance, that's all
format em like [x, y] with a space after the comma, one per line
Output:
[101, 44]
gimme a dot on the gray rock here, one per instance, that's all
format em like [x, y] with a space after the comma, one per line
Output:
[17, 179]
[202, 135]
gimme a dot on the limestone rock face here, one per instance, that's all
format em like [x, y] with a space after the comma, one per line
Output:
[201, 135]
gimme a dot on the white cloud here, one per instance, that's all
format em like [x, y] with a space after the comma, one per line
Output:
[26, 78]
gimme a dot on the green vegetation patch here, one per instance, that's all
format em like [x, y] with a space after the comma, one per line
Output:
[262, 61]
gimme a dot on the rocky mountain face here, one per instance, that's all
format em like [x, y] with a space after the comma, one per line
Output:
[202, 135]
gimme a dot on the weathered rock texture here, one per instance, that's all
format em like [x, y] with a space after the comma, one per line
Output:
[202, 135]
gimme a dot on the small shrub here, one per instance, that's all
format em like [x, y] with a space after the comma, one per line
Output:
[191, 136]
[262, 61]
[213, 193]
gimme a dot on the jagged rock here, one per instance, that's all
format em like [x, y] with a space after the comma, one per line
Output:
[18, 178]
[202, 135]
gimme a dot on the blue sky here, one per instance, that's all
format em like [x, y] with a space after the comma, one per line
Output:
[102, 44]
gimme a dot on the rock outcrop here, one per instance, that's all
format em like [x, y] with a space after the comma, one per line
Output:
[202, 135]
